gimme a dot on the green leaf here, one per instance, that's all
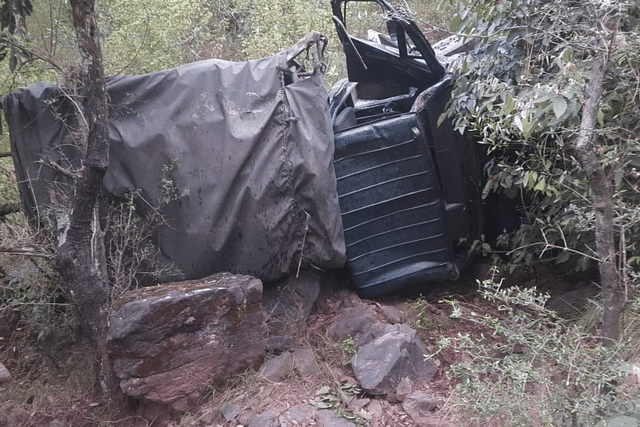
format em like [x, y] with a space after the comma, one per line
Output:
[541, 185]
[533, 178]
[600, 116]
[324, 405]
[324, 390]
[559, 107]
[455, 23]
[562, 257]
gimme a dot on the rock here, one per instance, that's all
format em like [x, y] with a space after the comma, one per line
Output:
[358, 323]
[168, 343]
[288, 303]
[267, 419]
[327, 418]
[278, 368]
[298, 416]
[380, 365]
[419, 406]
[231, 411]
[305, 362]
[404, 388]
[280, 343]
[57, 423]
[356, 404]
[393, 314]
[374, 410]
[18, 418]
[20, 271]
[5, 375]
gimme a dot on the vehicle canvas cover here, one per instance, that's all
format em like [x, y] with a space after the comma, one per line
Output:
[247, 157]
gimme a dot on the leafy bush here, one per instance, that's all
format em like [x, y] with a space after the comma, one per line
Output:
[523, 95]
[533, 369]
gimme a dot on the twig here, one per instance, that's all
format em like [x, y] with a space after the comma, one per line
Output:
[550, 246]
[25, 250]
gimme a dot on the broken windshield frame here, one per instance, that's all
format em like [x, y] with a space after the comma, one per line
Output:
[382, 57]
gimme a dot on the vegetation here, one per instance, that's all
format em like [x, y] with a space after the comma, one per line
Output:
[554, 94]
[531, 367]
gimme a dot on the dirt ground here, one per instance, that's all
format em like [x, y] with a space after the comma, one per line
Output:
[53, 374]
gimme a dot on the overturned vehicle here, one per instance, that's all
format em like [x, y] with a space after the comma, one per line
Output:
[253, 171]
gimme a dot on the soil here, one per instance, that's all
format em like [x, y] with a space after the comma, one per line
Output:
[54, 384]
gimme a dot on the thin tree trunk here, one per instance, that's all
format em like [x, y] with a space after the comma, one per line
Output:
[83, 278]
[612, 297]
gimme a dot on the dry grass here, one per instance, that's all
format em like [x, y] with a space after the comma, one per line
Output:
[259, 395]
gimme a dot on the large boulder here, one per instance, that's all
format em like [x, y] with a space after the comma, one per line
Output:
[168, 343]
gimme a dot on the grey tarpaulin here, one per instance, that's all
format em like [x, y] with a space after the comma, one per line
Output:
[252, 156]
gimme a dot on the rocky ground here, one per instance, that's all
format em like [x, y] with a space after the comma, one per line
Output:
[314, 325]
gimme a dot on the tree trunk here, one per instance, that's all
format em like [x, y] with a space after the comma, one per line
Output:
[84, 281]
[586, 153]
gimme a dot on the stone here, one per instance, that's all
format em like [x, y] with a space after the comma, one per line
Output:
[278, 368]
[280, 343]
[267, 419]
[393, 314]
[374, 410]
[358, 323]
[298, 416]
[5, 375]
[289, 302]
[18, 418]
[231, 411]
[19, 271]
[305, 362]
[404, 388]
[356, 404]
[380, 365]
[57, 423]
[419, 406]
[327, 418]
[169, 343]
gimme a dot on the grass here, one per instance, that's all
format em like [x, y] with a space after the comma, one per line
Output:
[258, 395]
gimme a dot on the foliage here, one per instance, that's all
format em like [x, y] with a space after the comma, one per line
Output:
[418, 313]
[28, 284]
[348, 347]
[337, 399]
[132, 258]
[141, 36]
[532, 369]
[522, 95]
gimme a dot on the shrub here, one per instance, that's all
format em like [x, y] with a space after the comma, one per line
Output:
[535, 369]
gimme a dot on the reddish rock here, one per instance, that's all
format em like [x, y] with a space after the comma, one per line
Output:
[168, 343]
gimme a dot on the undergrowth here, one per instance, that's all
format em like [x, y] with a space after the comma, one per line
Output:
[533, 368]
